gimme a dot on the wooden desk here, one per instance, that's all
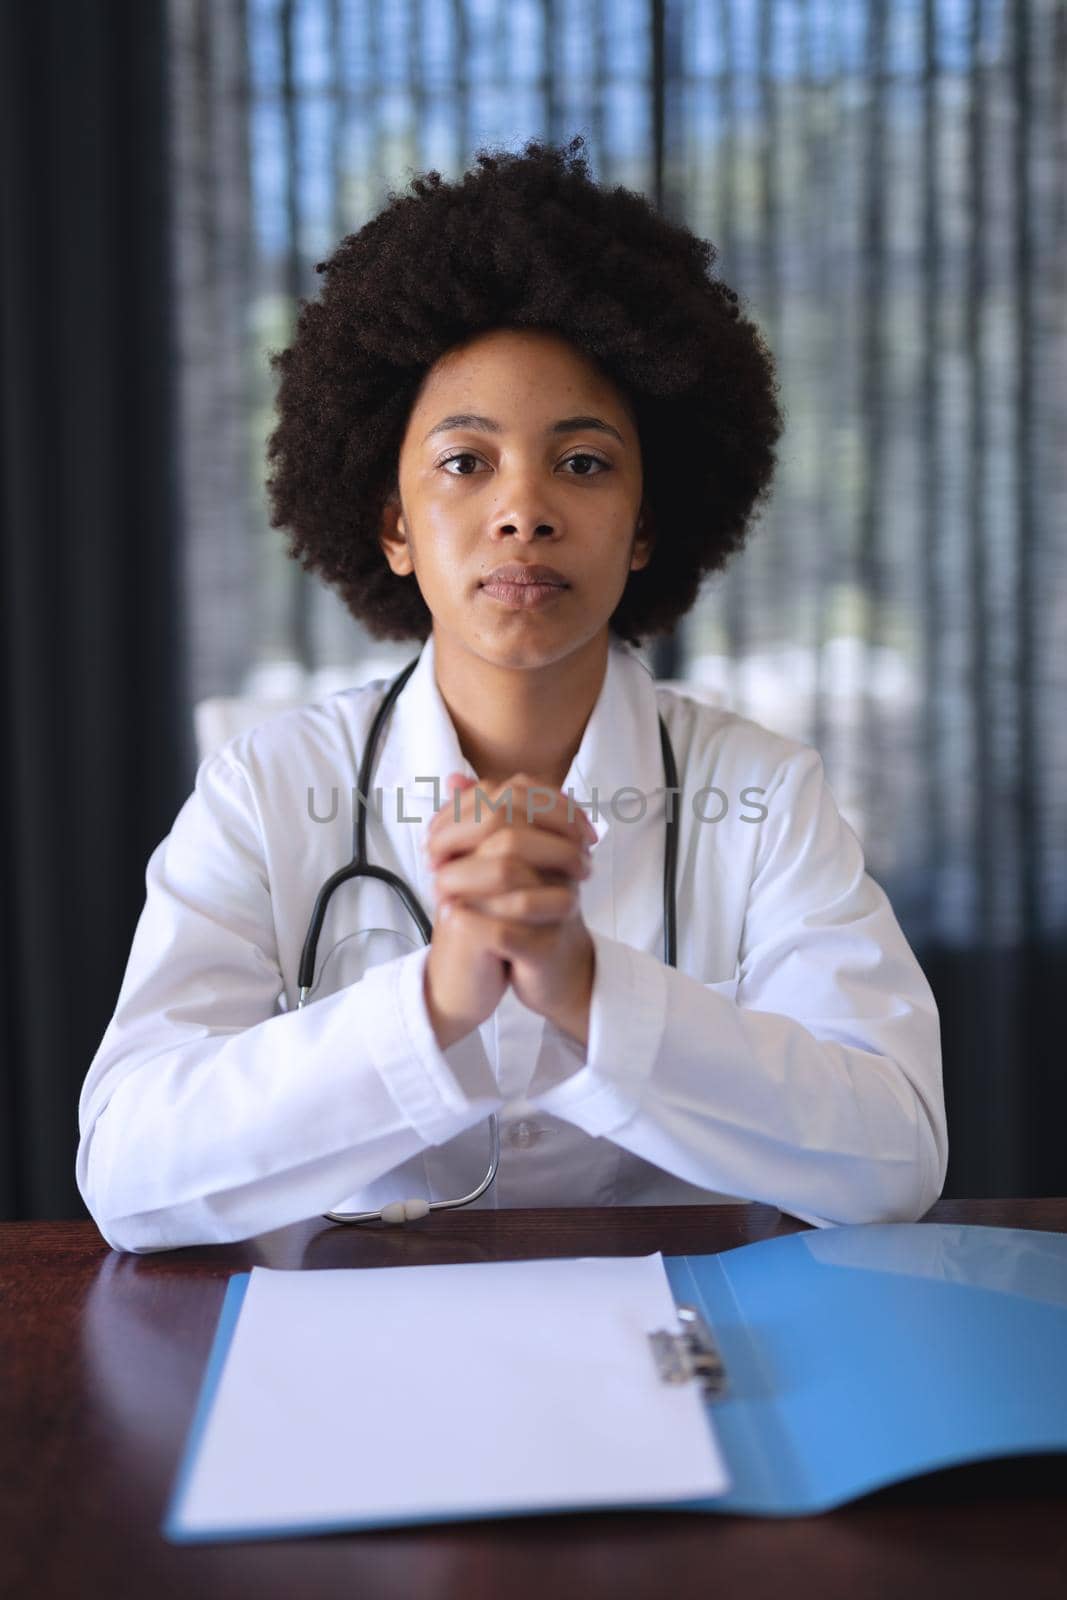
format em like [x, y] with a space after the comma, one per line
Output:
[103, 1354]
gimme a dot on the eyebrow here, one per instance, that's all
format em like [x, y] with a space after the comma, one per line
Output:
[470, 419]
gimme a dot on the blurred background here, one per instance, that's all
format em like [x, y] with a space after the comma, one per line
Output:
[885, 184]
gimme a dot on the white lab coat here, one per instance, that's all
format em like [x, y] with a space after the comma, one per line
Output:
[793, 1057]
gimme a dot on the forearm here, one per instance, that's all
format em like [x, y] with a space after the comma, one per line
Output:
[751, 1102]
[193, 1137]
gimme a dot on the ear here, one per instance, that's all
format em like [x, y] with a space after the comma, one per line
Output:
[392, 536]
[644, 541]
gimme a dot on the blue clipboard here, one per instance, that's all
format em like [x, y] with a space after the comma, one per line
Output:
[853, 1358]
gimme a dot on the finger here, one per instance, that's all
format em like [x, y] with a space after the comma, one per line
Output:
[479, 875]
[544, 806]
[534, 907]
[477, 933]
[530, 798]
[514, 848]
[482, 812]
[537, 847]
[456, 784]
[515, 941]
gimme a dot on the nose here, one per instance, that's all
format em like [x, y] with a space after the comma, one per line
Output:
[525, 530]
[522, 512]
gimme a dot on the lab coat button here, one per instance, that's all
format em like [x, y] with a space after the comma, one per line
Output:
[522, 1134]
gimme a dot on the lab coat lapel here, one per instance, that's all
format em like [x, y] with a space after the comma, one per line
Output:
[420, 745]
[618, 763]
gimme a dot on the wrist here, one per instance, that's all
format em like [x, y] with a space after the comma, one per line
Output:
[572, 1016]
[447, 1029]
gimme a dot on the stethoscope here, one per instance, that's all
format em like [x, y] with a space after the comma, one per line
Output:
[360, 867]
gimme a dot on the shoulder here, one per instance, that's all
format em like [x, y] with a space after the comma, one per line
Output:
[709, 738]
[758, 775]
[253, 735]
[275, 756]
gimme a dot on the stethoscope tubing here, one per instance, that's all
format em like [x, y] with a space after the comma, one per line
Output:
[360, 867]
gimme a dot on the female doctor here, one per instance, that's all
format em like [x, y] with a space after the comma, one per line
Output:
[520, 425]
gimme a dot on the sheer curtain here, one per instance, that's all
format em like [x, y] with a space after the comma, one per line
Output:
[885, 183]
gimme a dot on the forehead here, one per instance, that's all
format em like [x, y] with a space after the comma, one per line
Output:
[526, 365]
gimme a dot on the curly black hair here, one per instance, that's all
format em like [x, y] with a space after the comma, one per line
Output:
[525, 241]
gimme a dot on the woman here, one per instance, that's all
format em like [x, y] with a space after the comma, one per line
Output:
[521, 424]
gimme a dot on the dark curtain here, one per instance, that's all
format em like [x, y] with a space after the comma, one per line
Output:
[94, 720]
[886, 186]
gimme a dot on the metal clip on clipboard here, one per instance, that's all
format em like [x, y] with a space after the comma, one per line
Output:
[692, 1353]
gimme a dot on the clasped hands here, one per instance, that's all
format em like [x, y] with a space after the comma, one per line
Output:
[508, 912]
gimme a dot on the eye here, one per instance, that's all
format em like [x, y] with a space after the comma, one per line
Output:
[462, 455]
[587, 455]
[579, 455]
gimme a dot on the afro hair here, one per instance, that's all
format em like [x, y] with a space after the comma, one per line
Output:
[522, 241]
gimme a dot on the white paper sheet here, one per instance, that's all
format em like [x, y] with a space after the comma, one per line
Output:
[383, 1394]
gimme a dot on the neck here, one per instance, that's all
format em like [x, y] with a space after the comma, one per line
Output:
[525, 719]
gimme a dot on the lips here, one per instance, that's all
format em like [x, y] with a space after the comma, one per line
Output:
[520, 587]
[518, 573]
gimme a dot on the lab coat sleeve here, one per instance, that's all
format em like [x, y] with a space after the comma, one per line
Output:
[815, 1084]
[207, 1115]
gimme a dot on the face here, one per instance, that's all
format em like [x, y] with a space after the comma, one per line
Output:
[519, 454]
